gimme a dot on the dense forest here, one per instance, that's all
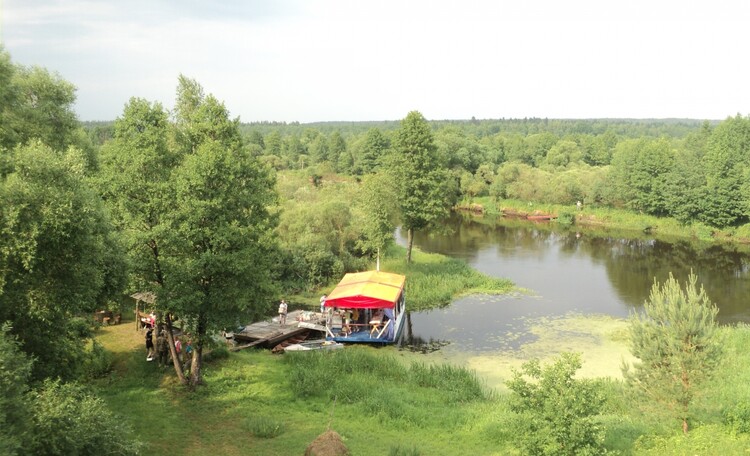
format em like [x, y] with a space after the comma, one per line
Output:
[691, 170]
[218, 218]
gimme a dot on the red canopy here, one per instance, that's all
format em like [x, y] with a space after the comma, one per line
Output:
[367, 290]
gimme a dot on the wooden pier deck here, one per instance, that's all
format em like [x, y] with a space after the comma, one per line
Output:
[268, 333]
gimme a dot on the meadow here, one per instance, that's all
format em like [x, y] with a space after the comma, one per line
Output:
[393, 401]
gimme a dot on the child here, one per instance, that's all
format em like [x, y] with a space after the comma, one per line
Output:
[149, 344]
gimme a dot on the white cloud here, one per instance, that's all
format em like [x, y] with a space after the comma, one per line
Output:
[343, 60]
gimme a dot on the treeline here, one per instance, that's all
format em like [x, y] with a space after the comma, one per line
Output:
[691, 170]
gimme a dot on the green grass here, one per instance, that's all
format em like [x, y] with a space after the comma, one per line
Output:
[258, 403]
[263, 404]
[432, 280]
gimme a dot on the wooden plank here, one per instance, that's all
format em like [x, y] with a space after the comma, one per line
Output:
[271, 333]
[251, 344]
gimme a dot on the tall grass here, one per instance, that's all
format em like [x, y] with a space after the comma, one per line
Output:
[382, 385]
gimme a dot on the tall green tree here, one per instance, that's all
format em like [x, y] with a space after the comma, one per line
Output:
[725, 165]
[319, 149]
[640, 175]
[419, 176]
[35, 104]
[377, 213]
[674, 339]
[58, 256]
[136, 181]
[219, 259]
[686, 182]
[373, 149]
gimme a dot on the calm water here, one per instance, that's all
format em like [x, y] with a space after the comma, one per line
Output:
[583, 271]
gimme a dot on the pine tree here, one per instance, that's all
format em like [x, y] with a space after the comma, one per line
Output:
[674, 339]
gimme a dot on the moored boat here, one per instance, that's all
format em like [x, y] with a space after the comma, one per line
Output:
[366, 307]
[314, 345]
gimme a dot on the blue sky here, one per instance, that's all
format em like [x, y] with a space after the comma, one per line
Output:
[348, 60]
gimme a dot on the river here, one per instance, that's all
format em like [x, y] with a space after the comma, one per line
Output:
[568, 273]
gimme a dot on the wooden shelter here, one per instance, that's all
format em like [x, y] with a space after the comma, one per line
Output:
[148, 299]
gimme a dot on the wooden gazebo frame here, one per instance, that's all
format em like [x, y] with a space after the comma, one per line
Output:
[147, 298]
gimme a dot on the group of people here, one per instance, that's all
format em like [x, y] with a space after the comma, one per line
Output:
[161, 350]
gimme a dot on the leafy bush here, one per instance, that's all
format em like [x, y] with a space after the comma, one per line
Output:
[99, 361]
[80, 328]
[15, 371]
[68, 419]
[556, 412]
[566, 218]
[737, 417]
[219, 352]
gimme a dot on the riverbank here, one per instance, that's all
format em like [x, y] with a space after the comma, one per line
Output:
[255, 402]
[589, 215]
[440, 403]
[433, 280]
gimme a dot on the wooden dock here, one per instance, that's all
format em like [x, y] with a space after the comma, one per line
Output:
[268, 333]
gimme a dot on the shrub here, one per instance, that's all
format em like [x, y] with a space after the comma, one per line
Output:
[566, 218]
[555, 412]
[219, 352]
[15, 371]
[98, 363]
[737, 417]
[68, 419]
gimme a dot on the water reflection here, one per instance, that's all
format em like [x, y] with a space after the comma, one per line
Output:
[581, 271]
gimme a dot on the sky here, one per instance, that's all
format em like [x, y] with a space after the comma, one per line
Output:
[349, 60]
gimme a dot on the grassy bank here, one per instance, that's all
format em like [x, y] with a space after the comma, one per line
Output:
[612, 218]
[432, 280]
[263, 404]
[383, 401]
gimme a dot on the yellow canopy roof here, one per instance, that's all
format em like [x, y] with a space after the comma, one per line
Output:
[366, 290]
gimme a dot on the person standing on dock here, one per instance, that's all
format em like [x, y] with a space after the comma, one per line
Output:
[282, 313]
[323, 304]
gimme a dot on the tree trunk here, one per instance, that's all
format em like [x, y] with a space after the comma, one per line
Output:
[409, 243]
[195, 370]
[196, 377]
[175, 358]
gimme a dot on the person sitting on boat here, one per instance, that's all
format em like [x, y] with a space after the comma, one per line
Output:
[355, 319]
[346, 326]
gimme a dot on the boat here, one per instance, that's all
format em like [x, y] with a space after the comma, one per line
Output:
[366, 307]
[540, 217]
[314, 345]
